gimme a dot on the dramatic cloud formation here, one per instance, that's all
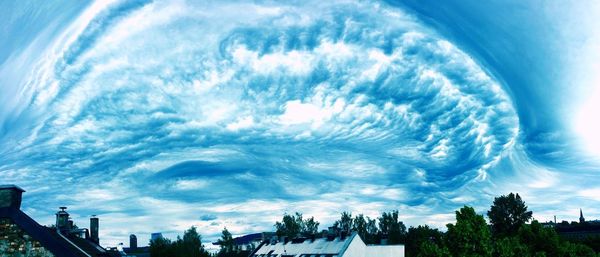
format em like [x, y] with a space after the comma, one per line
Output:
[162, 115]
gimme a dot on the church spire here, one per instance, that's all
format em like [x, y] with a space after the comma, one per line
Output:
[581, 219]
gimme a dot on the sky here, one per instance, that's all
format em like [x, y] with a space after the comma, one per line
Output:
[161, 115]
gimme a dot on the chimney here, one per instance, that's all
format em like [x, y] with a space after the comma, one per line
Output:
[10, 196]
[62, 220]
[132, 242]
[94, 229]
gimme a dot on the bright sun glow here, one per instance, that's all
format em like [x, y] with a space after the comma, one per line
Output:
[587, 124]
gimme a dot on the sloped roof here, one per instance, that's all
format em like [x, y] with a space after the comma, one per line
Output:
[90, 247]
[50, 241]
[246, 239]
[308, 246]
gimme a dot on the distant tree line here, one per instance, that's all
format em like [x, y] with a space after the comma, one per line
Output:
[507, 235]
[188, 246]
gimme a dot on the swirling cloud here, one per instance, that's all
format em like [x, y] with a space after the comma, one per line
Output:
[280, 106]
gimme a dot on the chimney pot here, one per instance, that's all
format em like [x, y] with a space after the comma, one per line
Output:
[10, 196]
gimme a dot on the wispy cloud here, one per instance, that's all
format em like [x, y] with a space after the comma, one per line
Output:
[160, 115]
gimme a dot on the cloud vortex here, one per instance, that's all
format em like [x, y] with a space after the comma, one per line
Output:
[245, 101]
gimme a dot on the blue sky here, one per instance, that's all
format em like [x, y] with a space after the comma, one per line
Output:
[160, 115]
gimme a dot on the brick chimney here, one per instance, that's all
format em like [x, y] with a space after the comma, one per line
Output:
[94, 222]
[10, 196]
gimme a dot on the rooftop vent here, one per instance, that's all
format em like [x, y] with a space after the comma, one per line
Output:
[298, 240]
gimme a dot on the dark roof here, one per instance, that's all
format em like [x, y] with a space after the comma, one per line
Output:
[50, 239]
[11, 187]
[90, 247]
[242, 240]
[143, 251]
[246, 239]
[587, 227]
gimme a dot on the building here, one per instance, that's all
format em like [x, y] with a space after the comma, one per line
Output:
[330, 246]
[155, 236]
[22, 236]
[576, 230]
[134, 250]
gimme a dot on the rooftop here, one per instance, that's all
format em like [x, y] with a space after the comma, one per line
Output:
[11, 187]
[320, 246]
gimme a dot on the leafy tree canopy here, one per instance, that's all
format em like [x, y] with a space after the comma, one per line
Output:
[507, 214]
[470, 236]
[293, 225]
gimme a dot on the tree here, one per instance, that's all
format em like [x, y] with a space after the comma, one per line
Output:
[365, 228]
[293, 225]
[311, 227]
[344, 224]
[470, 236]
[372, 231]
[290, 225]
[576, 250]
[191, 244]
[539, 239]
[430, 249]
[417, 236]
[510, 247]
[226, 242]
[161, 247]
[359, 225]
[390, 226]
[507, 214]
[188, 246]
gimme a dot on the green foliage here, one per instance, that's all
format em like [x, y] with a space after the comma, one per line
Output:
[293, 225]
[390, 226]
[430, 249]
[188, 246]
[470, 236]
[540, 239]
[226, 242]
[507, 214]
[576, 250]
[191, 245]
[366, 228]
[345, 223]
[289, 226]
[592, 241]
[311, 227]
[420, 236]
[510, 247]
[161, 247]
